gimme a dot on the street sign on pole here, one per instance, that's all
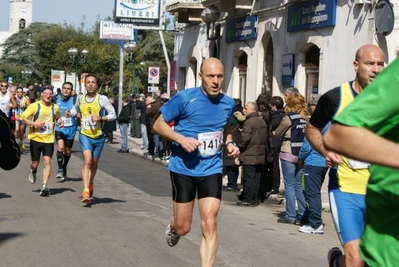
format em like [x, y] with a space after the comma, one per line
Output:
[153, 89]
[153, 75]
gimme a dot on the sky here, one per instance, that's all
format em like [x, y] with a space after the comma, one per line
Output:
[58, 11]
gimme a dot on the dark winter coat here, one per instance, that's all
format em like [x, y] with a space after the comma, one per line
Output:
[143, 108]
[124, 116]
[236, 122]
[277, 116]
[253, 141]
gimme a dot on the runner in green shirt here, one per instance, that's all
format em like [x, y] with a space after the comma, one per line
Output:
[368, 130]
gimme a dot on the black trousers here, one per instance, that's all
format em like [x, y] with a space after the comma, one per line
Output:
[252, 174]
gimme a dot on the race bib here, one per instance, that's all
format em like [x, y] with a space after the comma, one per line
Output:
[67, 121]
[211, 143]
[357, 164]
[88, 124]
[46, 129]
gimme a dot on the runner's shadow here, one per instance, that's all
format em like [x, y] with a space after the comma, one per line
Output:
[5, 236]
[55, 191]
[4, 195]
[73, 179]
[97, 200]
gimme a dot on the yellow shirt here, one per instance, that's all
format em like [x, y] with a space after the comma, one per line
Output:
[45, 114]
[88, 127]
[352, 175]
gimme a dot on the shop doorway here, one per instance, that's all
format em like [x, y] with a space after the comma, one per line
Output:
[312, 72]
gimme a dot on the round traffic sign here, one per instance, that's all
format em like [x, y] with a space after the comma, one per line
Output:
[154, 72]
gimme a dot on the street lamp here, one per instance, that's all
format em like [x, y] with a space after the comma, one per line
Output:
[210, 15]
[76, 60]
[129, 48]
[26, 75]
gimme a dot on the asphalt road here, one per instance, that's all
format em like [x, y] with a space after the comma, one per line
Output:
[125, 224]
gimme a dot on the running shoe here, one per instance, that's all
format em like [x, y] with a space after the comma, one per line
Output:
[171, 237]
[44, 191]
[310, 230]
[91, 190]
[59, 175]
[333, 254]
[63, 177]
[32, 177]
[85, 197]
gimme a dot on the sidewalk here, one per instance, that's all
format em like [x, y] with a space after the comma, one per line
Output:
[135, 148]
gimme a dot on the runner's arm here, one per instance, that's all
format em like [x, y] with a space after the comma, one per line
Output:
[362, 144]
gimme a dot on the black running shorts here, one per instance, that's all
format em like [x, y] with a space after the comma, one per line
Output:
[37, 148]
[185, 187]
[61, 136]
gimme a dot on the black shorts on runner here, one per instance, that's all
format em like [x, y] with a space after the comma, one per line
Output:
[60, 136]
[185, 187]
[37, 148]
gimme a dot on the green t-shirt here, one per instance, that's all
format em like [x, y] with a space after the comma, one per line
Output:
[377, 109]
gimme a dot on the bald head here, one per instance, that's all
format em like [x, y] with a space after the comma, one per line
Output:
[367, 50]
[369, 61]
[212, 76]
[209, 63]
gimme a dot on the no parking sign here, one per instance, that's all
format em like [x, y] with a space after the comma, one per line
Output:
[153, 75]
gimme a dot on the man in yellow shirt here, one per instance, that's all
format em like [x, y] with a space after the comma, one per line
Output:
[94, 109]
[41, 117]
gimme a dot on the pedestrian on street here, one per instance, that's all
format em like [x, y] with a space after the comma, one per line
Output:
[141, 106]
[201, 116]
[252, 145]
[347, 178]
[123, 120]
[291, 129]
[95, 109]
[135, 130]
[41, 118]
[367, 130]
[65, 136]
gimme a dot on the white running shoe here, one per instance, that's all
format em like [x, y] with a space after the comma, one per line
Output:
[310, 230]
[171, 237]
[32, 177]
[44, 191]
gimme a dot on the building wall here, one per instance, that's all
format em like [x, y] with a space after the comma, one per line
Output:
[338, 44]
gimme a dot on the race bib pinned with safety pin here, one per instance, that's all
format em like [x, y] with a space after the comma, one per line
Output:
[211, 143]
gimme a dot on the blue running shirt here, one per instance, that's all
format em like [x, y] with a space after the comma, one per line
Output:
[203, 118]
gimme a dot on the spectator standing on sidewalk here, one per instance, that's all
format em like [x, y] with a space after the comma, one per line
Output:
[142, 107]
[135, 129]
[236, 122]
[278, 113]
[110, 126]
[252, 145]
[367, 130]
[292, 130]
[123, 120]
[201, 117]
[314, 170]
[41, 117]
[347, 178]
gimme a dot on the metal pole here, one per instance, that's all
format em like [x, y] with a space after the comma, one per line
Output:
[76, 70]
[133, 76]
[167, 62]
[120, 78]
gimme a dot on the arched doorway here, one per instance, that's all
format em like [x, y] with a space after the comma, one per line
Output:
[312, 71]
[268, 67]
